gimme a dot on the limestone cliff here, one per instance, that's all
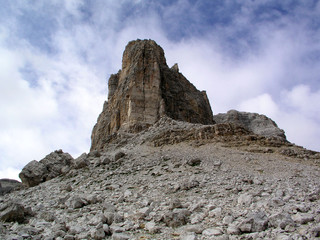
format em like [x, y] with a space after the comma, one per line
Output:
[144, 90]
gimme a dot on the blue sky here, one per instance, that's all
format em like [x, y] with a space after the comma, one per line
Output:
[56, 57]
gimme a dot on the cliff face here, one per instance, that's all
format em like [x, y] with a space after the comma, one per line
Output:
[144, 90]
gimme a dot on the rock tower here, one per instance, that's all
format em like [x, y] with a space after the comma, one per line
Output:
[144, 90]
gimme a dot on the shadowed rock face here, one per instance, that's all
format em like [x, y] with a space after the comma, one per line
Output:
[144, 90]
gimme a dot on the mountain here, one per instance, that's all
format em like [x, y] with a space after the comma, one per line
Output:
[161, 166]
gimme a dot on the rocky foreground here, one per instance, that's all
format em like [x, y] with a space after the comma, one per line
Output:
[175, 180]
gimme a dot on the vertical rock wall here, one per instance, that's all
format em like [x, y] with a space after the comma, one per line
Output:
[146, 89]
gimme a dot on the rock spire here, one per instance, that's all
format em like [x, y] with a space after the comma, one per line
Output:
[144, 90]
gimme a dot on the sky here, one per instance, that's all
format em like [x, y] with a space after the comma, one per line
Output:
[56, 57]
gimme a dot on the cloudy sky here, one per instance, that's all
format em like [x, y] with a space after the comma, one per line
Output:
[56, 57]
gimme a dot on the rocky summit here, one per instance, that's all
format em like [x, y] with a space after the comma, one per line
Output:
[144, 90]
[168, 170]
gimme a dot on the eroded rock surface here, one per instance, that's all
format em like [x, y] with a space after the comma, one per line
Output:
[257, 123]
[144, 90]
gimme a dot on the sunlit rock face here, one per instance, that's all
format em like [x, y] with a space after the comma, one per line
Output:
[144, 90]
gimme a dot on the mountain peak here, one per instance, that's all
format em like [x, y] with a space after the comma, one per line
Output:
[144, 90]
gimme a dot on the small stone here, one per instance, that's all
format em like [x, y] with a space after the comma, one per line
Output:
[281, 220]
[233, 230]
[175, 203]
[189, 185]
[227, 220]
[116, 229]
[98, 233]
[189, 236]
[255, 222]
[127, 193]
[194, 162]
[98, 218]
[212, 232]
[109, 217]
[315, 231]
[245, 199]
[105, 160]
[120, 236]
[215, 212]
[119, 155]
[108, 207]
[75, 202]
[81, 161]
[197, 218]
[196, 228]
[246, 227]
[303, 218]
[151, 227]
[106, 229]
[68, 237]
[176, 218]
[118, 218]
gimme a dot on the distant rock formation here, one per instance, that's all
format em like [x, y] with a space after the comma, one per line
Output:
[256, 123]
[8, 185]
[144, 90]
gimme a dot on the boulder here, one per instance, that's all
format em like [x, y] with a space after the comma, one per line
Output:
[144, 90]
[14, 212]
[49, 167]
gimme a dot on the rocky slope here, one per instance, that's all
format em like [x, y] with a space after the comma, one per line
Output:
[168, 170]
[212, 185]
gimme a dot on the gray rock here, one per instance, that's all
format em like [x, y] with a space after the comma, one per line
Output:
[109, 217]
[81, 161]
[98, 233]
[49, 167]
[176, 218]
[33, 173]
[14, 212]
[189, 236]
[281, 220]
[120, 236]
[315, 231]
[189, 185]
[216, 231]
[303, 218]
[69, 237]
[233, 229]
[196, 228]
[75, 202]
[8, 185]
[255, 222]
[245, 199]
[97, 219]
[151, 227]
[119, 155]
[194, 162]
[256, 123]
